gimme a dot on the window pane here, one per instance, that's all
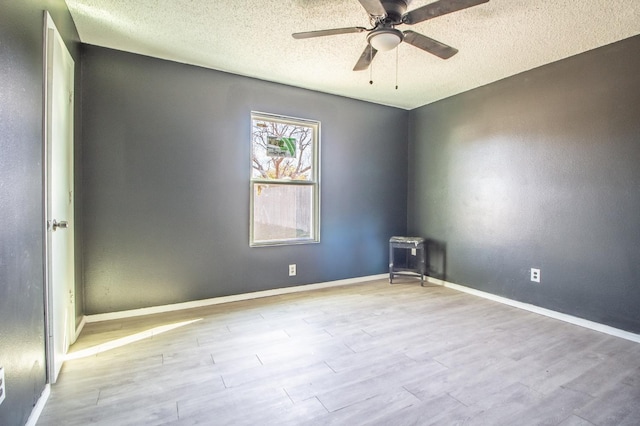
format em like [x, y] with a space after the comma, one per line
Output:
[282, 150]
[282, 212]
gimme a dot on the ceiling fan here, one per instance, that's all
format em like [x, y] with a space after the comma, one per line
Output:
[385, 16]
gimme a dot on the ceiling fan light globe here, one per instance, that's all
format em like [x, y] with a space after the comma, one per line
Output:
[384, 40]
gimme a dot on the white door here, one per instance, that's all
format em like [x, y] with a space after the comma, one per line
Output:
[59, 200]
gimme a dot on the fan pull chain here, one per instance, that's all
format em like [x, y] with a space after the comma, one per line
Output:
[370, 64]
[396, 67]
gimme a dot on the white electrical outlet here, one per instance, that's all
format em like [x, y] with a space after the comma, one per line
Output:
[3, 391]
[535, 275]
[413, 252]
[292, 270]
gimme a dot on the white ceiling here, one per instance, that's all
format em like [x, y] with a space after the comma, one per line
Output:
[253, 38]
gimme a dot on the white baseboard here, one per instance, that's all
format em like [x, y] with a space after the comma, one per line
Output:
[542, 311]
[37, 409]
[227, 299]
[79, 328]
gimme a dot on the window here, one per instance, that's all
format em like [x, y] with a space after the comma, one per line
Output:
[285, 180]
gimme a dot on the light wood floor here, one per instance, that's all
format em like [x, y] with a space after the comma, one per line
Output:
[359, 354]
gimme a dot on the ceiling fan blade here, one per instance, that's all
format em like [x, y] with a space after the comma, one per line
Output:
[430, 45]
[365, 59]
[373, 7]
[439, 8]
[322, 33]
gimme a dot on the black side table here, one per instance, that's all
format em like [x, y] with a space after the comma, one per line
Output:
[411, 262]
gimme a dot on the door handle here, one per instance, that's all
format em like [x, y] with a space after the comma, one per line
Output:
[63, 224]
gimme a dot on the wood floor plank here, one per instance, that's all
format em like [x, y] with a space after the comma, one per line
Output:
[232, 406]
[614, 407]
[576, 421]
[372, 410]
[502, 406]
[553, 408]
[441, 410]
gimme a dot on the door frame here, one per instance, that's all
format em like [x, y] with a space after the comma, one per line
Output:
[49, 319]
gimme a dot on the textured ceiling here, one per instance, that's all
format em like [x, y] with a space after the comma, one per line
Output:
[253, 38]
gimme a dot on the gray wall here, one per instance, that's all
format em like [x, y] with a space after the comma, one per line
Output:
[22, 350]
[539, 170]
[166, 151]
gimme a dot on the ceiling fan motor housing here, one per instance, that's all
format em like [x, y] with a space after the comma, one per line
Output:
[395, 9]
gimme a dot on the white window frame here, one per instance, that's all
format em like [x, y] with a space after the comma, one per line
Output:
[312, 182]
